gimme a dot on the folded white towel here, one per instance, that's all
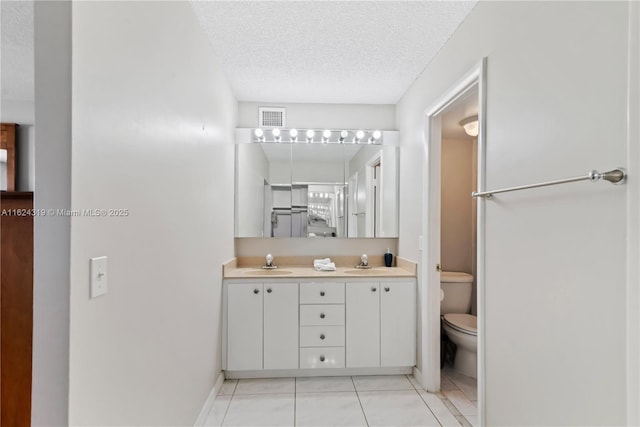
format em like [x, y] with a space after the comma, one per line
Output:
[326, 267]
[317, 262]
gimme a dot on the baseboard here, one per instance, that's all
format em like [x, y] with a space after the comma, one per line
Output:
[417, 375]
[330, 372]
[208, 404]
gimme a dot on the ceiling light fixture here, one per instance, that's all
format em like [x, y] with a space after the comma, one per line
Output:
[293, 133]
[358, 137]
[470, 125]
[259, 134]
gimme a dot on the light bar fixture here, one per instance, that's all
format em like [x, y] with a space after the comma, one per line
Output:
[328, 136]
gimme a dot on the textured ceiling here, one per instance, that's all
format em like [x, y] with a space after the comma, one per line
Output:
[364, 52]
[16, 50]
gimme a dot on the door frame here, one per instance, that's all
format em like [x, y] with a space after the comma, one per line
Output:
[431, 221]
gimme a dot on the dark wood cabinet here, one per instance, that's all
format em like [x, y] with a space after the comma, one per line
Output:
[16, 307]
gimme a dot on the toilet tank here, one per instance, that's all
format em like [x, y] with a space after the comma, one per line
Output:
[457, 288]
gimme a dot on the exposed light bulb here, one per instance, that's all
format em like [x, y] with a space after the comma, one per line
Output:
[259, 134]
[310, 134]
[276, 134]
[359, 136]
[343, 135]
[293, 133]
[326, 134]
[377, 134]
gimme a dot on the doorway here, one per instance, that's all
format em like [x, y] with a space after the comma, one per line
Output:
[453, 106]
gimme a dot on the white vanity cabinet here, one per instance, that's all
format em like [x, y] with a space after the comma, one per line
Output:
[244, 326]
[293, 327]
[261, 326]
[381, 324]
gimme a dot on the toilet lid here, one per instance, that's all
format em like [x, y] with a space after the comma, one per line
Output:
[465, 323]
[455, 277]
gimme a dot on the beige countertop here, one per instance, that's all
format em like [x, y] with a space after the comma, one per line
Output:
[302, 267]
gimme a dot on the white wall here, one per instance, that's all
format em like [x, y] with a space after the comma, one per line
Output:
[555, 257]
[153, 130]
[52, 49]
[457, 221]
[323, 116]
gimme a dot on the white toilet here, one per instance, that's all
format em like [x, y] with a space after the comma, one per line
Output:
[461, 328]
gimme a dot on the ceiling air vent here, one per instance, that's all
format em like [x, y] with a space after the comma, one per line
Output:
[270, 117]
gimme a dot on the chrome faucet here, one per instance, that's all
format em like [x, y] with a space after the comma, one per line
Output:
[364, 262]
[269, 261]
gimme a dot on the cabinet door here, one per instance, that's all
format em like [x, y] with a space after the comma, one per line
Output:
[363, 324]
[280, 326]
[398, 324]
[244, 326]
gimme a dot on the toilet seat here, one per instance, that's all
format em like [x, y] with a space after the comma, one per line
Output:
[465, 323]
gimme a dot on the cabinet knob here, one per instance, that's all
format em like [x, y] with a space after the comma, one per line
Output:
[373, 289]
[269, 290]
[322, 358]
[321, 336]
[322, 316]
[386, 289]
[321, 293]
[256, 291]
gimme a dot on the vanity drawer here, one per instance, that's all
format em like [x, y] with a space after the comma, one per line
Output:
[322, 357]
[322, 336]
[321, 293]
[323, 314]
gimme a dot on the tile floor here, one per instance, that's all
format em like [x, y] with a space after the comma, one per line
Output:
[395, 400]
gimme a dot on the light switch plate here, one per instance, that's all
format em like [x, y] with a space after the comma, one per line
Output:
[98, 267]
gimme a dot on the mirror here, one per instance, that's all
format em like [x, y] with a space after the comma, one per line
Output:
[316, 190]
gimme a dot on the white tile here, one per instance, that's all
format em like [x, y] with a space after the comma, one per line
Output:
[468, 385]
[473, 420]
[414, 382]
[218, 411]
[322, 384]
[463, 421]
[439, 409]
[329, 409]
[261, 410]
[464, 405]
[446, 383]
[228, 387]
[382, 382]
[266, 385]
[396, 408]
